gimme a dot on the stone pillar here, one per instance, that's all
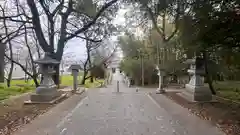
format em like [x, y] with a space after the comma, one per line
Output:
[128, 82]
[75, 70]
[161, 74]
[160, 81]
[75, 80]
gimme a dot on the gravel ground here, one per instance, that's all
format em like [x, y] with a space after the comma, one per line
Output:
[222, 114]
[14, 114]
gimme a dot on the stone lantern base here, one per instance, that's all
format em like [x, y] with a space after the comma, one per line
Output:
[195, 90]
[49, 95]
[45, 93]
[197, 93]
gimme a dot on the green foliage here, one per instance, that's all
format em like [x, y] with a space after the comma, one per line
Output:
[22, 82]
[96, 83]
[130, 45]
[86, 7]
[228, 89]
[204, 26]
[211, 24]
[132, 68]
[98, 71]
[67, 80]
[6, 92]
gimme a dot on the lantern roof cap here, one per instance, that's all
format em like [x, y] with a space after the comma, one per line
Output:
[47, 60]
[75, 66]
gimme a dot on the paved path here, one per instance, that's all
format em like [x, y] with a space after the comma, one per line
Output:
[106, 112]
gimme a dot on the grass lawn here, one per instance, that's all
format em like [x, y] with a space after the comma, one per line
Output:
[67, 80]
[20, 86]
[17, 88]
[228, 89]
[96, 83]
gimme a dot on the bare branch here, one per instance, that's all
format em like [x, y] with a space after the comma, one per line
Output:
[85, 38]
[176, 23]
[95, 47]
[8, 38]
[14, 34]
[9, 17]
[19, 64]
[45, 8]
[154, 21]
[105, 60]
[161, 30]
[85, 27]
[58, 8]
[37, 26]
[63, 33]
[8, 35]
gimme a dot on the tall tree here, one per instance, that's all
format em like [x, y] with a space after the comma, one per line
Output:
[210, 27]
[64, 21]
[165, 17]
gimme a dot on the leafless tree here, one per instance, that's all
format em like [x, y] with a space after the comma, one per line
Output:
[63, 19]
[11, 39]
[9, 78]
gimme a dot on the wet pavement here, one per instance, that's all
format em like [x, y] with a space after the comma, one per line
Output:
[107, 112]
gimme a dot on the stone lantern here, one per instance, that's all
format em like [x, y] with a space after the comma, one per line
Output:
[75, 70]
[47, 90]
[195, 88]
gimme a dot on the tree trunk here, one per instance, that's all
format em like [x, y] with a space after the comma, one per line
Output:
[12, 66]
[35, 81]
[8, 83]
[2, 63]
[89, 60]
[91, 79]
[85, 71]
[207, 73]
[90, 66]
[84, 77]
[56, 76]
[10, 75]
